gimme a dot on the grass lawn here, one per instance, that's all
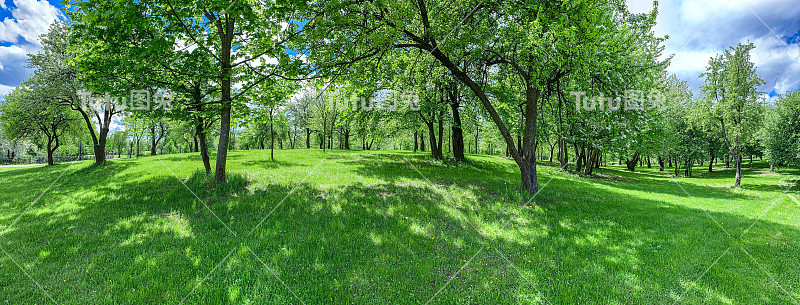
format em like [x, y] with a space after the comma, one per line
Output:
[392, 228]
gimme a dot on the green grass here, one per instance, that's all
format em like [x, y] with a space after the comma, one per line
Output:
[392, 228]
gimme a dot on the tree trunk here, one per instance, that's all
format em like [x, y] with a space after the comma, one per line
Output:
[660, 164]
[308, 138]
[711, 165]
[153, 139]
[100, 147]
[271, 141]
[458, 136]
[416, 143]
[50, 149]
[737, 162]
[225, 32]
[631, 164]
[436, 153]
[441, 135]
[422, 141]
[202, 144]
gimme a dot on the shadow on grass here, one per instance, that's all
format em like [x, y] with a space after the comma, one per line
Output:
[108, 236]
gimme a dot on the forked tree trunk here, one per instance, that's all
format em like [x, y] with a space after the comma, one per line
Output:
[631, 164]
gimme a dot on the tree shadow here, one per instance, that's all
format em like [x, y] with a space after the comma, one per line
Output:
[129, 239]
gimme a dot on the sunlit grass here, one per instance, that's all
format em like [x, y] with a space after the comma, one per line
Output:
[347, 227]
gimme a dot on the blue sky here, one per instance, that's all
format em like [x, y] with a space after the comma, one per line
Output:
[22, 21]
[698, 29]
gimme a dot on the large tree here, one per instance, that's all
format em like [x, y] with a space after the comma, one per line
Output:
[733, 100]
[781, 130]
[54, 64]
[245, 40]
[30, 113]
[529, 40]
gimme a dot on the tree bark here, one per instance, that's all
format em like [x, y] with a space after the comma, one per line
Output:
[631, 164]
[416, 143]
[441, 135]
[457, 132]
[202, 145]
[436, 153]
[308, 138]
[225, 33]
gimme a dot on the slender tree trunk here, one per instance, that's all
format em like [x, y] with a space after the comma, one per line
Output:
[458, 136]
[416, 143]
[202, 144]
[308, 138]
[441, 135]
[711, 165]
[271, 141]
[153, 139]
[737, 162]
[435, 152]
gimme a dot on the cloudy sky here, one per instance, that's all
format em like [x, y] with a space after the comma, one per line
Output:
[22, 23]
[697, 29]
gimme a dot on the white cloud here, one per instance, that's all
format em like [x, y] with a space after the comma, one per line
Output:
[11, 53]
[701, 29]
[5, 90]
[778, 64]
[31, 18]
[116, 125]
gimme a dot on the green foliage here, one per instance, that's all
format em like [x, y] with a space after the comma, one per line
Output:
[781, 131]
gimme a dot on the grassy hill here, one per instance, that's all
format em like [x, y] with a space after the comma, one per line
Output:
[348, 227]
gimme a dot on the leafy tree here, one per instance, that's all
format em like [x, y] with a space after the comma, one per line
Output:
[30, 113]
[732, 99]
[781, 131]
[529, 40]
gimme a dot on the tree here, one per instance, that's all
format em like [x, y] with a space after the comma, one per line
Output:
[732, 99]
[65, 86]
[29, 113]
[781, 131]
[529, 40]
[246, 40]
[268, 100]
